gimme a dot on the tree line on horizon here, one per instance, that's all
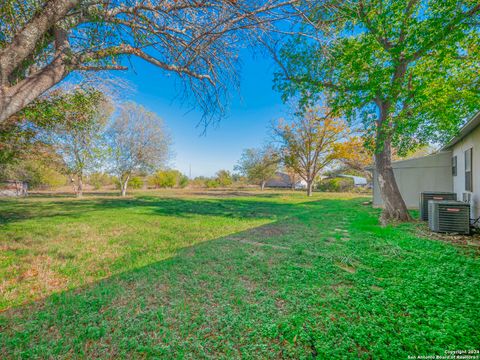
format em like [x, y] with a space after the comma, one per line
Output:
[77, 134]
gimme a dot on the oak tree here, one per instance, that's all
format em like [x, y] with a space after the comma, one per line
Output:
[408, 70]
[43, 41]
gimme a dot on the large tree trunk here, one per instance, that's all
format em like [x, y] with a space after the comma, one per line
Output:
[17, 97]
[26, 40]
[309, 187]
[79, 186]
[262, 185]
[394, 206]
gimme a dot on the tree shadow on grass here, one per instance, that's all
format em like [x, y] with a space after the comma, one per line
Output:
[236, 208]
[195, 292]
[256, 294]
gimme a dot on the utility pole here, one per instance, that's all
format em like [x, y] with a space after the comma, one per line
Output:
[190, 172]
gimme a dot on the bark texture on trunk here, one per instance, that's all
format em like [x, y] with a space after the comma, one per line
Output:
[395, 209]
[309, 188]
[79, 186]
[124, 185]
[26, 40]
[394, 205]
[15, 98]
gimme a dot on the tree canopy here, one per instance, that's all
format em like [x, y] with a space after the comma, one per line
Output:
[42, 41]
[309, 142]
[407, 70]
[258, 164]
[138, 141]
[74, 123]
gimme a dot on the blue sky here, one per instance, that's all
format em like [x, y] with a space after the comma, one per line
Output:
[246, 125]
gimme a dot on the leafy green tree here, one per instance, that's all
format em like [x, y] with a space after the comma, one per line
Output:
[41, 169]
[309, 142]
[18, 137]
[258, 164]
[166, 179]
[224, 178]
[408, 70]
[73, 124]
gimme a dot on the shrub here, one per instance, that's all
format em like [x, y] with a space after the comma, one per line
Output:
[98, 180]
[336, 185]
[183, 181]
[135, 182]
[168, 179]
[224, 178]
[212, 183]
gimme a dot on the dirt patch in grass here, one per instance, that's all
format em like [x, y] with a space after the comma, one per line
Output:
[36, 277]
[346, 268]
[269, 231]
[470, 242]
[256, 243]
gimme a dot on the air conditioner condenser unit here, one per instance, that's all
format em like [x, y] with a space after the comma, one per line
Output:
[426, 196]
[449, 216]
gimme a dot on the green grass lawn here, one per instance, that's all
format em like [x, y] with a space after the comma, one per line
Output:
[227, 275]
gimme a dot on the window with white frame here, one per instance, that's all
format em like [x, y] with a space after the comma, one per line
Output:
[468, 170]
[454, 166]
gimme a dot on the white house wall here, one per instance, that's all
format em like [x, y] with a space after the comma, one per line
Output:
[472, 140]
[413, 176]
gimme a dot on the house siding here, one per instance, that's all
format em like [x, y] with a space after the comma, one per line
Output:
[472, 140]
[413, 176]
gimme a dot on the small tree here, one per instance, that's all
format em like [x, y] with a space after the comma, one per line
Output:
[73, 124]
[308, 142]
[258, 165]
[224, 178]
[138, 142]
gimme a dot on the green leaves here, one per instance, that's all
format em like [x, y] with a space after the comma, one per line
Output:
[419, 61]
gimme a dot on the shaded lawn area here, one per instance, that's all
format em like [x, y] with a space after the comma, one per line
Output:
[272, 276]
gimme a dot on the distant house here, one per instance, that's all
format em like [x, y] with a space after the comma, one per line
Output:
[357, 180]
[282, 180]
[455, 168]
[13, 188]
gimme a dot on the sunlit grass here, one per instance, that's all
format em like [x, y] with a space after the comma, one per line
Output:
[228, 275]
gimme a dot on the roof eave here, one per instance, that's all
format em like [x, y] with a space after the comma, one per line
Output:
[464, 131]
